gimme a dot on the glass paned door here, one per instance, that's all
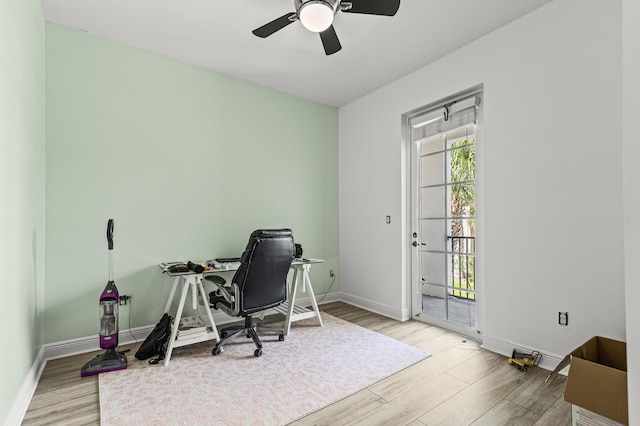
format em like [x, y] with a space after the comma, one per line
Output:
[443, 187]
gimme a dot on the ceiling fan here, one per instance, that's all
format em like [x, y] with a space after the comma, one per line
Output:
[317, 16]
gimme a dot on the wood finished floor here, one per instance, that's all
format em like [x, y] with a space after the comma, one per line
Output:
[460, 384]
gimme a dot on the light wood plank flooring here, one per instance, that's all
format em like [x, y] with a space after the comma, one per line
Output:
[460, 384]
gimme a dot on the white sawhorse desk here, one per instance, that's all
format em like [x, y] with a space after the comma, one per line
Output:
[188, 282]
[193, 282]
[289, 308]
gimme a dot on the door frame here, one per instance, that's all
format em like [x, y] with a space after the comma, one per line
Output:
[413, 288]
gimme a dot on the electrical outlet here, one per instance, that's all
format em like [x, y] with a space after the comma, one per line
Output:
[563, 318]
[331, 274]
[123, 299]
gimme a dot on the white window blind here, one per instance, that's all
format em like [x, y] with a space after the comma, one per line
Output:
[444, 118]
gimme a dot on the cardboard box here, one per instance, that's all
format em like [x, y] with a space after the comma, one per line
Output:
[584, 417]
[597, 379]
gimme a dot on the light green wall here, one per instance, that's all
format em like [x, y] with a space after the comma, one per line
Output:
[22, 141]
[186, 161]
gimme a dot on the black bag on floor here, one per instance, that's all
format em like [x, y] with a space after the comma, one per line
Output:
[156, 342]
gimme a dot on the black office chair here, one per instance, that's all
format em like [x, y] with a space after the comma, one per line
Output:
[259, 284]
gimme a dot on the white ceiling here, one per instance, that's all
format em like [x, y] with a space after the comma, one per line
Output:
[216, 34]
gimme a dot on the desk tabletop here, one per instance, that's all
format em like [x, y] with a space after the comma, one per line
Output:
[213, 267]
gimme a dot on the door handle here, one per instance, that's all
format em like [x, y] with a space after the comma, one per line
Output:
[415, 244]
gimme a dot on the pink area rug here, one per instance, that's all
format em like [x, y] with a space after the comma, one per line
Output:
[312, 368]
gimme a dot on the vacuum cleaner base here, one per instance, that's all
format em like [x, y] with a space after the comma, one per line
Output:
[111, 360]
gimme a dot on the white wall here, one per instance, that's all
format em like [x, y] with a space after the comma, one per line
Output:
[551, 182]
[631, 151]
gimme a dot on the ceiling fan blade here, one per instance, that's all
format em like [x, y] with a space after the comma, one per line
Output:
[330, 41]
[277, 24]
[373, 7]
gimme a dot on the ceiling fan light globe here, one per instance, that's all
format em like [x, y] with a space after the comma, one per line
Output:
[316, 16]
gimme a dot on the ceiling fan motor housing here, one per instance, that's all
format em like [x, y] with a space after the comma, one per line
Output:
[333, 4]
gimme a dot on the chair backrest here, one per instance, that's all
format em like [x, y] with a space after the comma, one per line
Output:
[262, 276]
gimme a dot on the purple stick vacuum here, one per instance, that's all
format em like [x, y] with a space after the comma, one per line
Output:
[111, 360]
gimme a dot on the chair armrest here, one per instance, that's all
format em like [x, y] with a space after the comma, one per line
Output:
[216, 279]
[220, 282]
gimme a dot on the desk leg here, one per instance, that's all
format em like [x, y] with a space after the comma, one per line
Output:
[171, 294]
[292, 299]
[176, 320]
[208, 309]
[297, 313]
[307, 284]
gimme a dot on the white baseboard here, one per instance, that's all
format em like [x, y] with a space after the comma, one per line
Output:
[92, 343]
[548, 361]
[21, 403]
[328, 298]
[378, 308]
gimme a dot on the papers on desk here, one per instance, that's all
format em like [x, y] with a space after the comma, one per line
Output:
[166, 265]
[209, 266]
[299, 261]
[222, 266]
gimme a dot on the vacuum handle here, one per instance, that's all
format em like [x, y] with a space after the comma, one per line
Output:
[110, 233]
